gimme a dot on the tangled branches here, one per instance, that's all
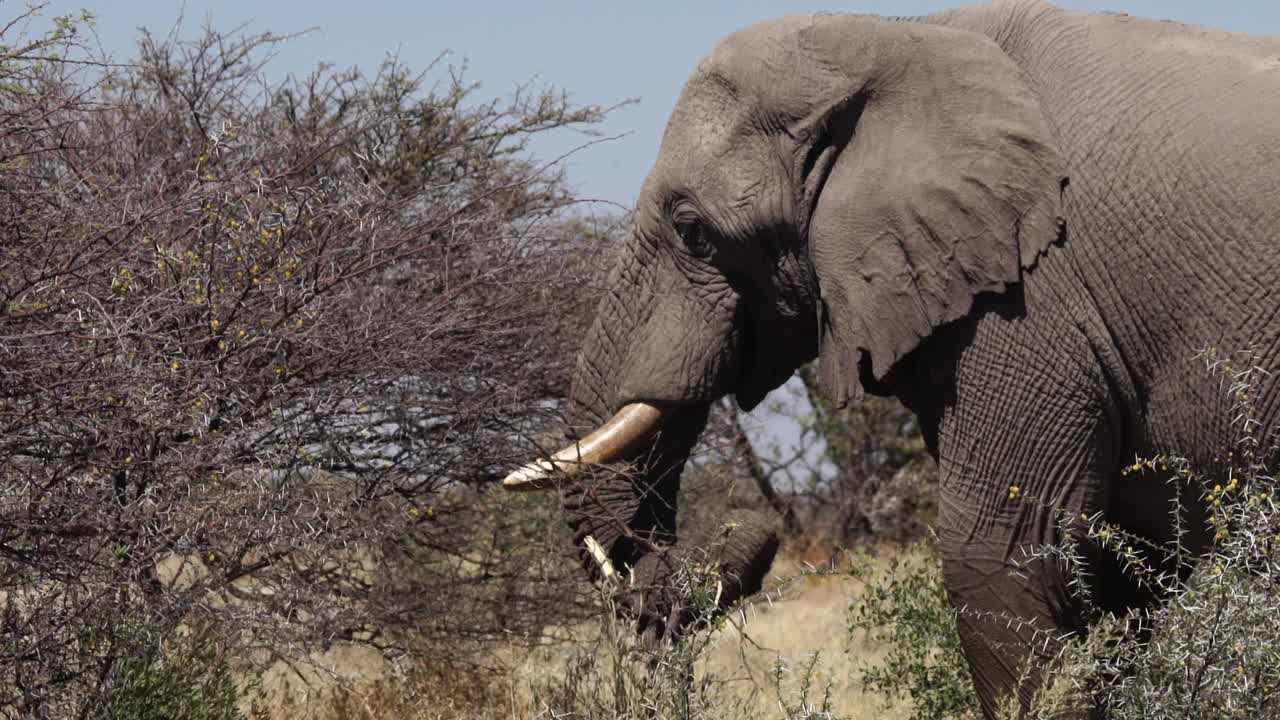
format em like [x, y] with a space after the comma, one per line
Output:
[259, 342]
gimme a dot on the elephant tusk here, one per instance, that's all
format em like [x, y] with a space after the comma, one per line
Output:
[601, 557]
[622, 433]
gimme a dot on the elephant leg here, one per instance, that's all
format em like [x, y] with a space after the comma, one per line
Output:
[1055, 436]
[1012, 610]
[1009, 625]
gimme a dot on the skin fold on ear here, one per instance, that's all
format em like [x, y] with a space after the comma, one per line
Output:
[947, 185]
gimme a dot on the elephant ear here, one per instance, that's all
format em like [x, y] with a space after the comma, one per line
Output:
[931, 177]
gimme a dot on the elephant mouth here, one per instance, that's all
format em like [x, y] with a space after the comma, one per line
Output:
[753, 368]
[766, 364]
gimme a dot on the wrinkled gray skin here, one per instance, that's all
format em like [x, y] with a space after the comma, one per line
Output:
[1022, 221]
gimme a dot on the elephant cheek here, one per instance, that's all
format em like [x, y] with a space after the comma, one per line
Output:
[688, 353]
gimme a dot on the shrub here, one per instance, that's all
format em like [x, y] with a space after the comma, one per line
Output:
[186, 678]
[267, 345]
[905, 607]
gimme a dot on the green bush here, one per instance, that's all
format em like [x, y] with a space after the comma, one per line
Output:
[803, 706]
[189, 679]
[905, 607]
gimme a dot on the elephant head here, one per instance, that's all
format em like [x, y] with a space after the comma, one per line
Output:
[829, 186]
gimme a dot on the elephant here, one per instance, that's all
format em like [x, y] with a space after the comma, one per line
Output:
[1022, 221]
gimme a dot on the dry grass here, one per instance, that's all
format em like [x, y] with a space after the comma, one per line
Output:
[804, 614]
[807, 616]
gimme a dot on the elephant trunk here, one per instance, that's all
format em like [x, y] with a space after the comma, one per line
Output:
[639, 412]
[618, 482]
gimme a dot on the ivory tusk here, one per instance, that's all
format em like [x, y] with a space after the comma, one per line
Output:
[622, 433]
[602, 558]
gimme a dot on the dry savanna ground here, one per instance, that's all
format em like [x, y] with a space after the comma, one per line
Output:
[803, 614]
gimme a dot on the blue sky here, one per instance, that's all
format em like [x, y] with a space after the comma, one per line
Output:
[599, 51]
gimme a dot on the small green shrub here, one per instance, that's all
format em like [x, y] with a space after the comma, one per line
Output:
[810, 679]
[188, 679]
[905, 608]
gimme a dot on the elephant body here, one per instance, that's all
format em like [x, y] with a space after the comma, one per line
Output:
[1171, 247]
[1024, 222]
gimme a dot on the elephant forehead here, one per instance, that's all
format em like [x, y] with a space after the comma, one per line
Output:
[780, 61]
[714, 148]
[705, 120]
[739, 53]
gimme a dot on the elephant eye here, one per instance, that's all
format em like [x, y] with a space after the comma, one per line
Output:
[694, 238]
